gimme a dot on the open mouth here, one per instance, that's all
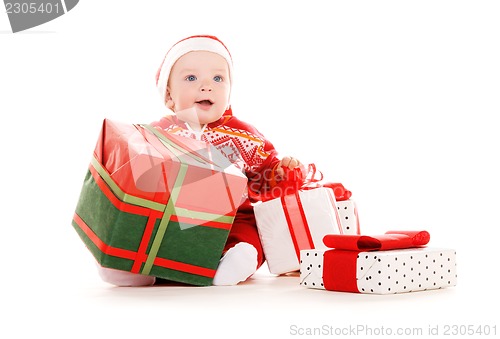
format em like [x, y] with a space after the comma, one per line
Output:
[205, 102]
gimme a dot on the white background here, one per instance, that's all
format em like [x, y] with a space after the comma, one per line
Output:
[398, 100]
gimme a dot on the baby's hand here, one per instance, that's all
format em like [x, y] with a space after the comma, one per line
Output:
[290, 163]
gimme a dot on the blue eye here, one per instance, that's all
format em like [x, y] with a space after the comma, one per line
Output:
[217, 78]
[191, 78]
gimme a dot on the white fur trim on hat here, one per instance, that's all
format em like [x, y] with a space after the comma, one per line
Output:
[190, 44]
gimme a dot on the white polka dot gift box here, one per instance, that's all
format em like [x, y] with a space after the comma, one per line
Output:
[299, 219]
[395, 262]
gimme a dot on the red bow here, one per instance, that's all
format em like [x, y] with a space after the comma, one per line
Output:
[389, 241]
[296, 179]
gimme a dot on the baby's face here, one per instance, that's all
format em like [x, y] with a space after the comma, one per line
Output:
[199, 87]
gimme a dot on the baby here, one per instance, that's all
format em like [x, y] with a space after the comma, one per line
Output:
[194, 82]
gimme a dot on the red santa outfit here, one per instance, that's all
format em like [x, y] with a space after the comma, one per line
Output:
[248, 149]
[242, 144]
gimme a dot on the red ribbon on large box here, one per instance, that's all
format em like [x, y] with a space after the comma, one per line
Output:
[287, 190]
[339, 265]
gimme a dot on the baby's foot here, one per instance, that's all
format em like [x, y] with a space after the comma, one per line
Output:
[123, 278]
[239, 263]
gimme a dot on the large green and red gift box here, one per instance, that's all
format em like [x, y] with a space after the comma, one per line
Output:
[157, 204]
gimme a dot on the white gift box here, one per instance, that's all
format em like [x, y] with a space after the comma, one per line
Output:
[387, 272]
[281, 248]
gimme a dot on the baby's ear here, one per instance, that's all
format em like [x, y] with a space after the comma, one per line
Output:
[168, 100]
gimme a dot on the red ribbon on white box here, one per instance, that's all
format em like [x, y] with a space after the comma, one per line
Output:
[294, 210]
[288, 191]
[297, 223]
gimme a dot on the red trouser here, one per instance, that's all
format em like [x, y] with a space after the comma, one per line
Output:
[244, 229]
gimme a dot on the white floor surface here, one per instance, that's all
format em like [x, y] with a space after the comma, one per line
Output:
[82, 306]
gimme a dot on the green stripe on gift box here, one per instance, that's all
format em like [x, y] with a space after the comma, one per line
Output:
[169, 211]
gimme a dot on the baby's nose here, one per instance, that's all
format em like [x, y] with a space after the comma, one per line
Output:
[206, 86]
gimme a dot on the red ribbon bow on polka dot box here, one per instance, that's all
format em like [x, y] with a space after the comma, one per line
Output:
[395, 262]
[297, 214]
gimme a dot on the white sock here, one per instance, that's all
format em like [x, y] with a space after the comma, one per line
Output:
[124, 278]
[239, 263]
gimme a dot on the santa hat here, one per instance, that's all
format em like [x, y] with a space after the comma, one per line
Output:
[193, 43]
